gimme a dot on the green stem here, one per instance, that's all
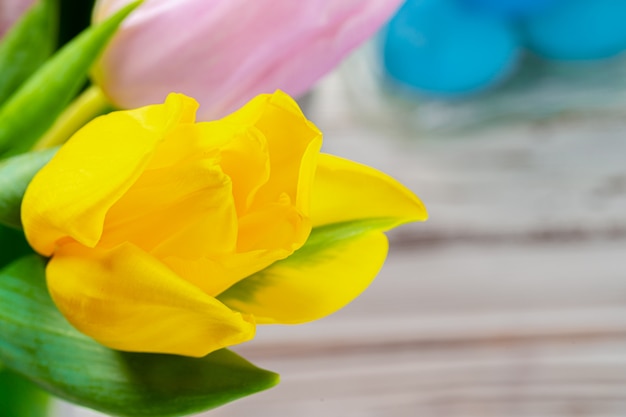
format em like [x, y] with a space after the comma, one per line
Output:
[89, 104]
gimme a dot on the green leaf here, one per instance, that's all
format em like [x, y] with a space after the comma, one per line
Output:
[21, 398]
[15, 175]
[37, 342]
[40, 100]
[28, 44]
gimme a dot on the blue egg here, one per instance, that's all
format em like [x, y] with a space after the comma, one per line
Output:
[511, 8]
[578, 30]
[440, 47]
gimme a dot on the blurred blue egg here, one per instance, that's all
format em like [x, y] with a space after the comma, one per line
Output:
[578, 30]
[441, 47]
[511, 8]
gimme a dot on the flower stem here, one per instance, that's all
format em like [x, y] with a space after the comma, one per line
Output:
[89, 104]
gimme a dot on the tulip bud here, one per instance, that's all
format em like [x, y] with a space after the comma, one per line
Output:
[172, 236]
[226, 52]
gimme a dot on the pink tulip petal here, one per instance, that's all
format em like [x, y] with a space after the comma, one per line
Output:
[223, 53]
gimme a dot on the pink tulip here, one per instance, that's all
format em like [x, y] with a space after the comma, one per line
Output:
[10, 11]
[224, 52]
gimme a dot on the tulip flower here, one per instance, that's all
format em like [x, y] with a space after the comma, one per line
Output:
[167, 235]
[10, 11]
[224, 52]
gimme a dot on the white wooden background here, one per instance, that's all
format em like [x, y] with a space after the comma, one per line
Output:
[510, 301]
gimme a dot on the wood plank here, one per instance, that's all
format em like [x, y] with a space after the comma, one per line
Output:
[492, 378]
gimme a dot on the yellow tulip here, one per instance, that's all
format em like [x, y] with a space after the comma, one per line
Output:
[167, 235]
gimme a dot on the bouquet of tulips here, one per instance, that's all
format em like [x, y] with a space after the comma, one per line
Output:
[145, 231]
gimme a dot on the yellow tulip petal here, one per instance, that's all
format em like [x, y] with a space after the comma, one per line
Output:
[344, 190]
[276, 227]
[293, 143]
[244, 158]
[215, 275]
[310, 284]
[72, 194]
[127, 300]
[185, 211]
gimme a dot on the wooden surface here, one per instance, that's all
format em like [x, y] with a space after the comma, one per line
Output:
[510, 301]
